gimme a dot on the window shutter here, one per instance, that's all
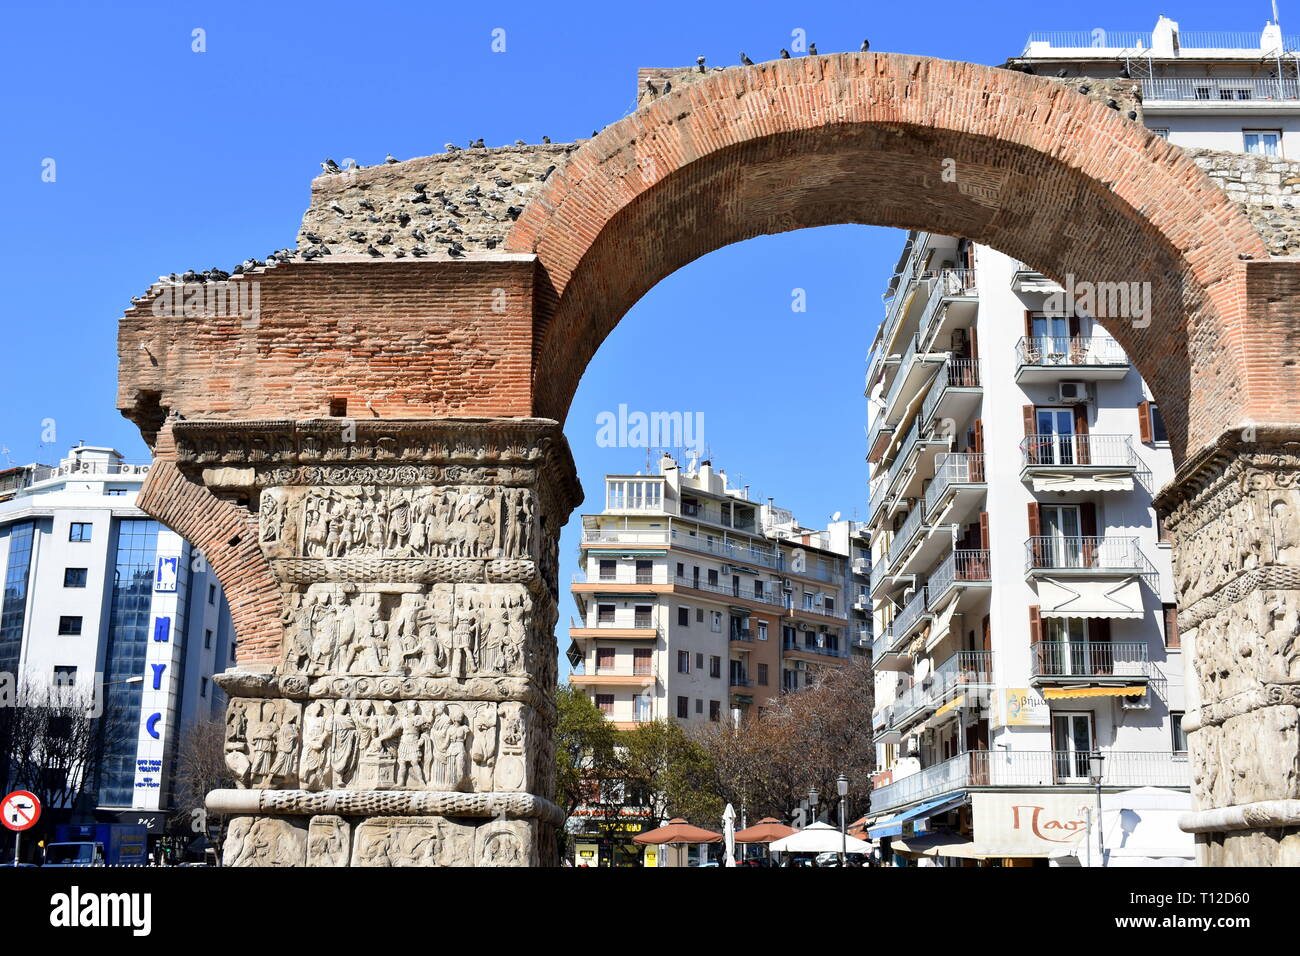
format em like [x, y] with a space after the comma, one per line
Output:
[1172, 638]
[1035, 624]
[1029, 324]
[974, 343]
[1030, 419]
[1082, 451]
[984, 530]
[1144, 422]
[1035, 525]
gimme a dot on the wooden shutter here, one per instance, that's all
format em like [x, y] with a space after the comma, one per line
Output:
[1082, 453]
[974, 343]
[1144, 422]
[986, 635]
[1035, 522]
[1172, 639]
[1029, 324]
[984, 530]
[1030, 419]
[1088, 529]
[1035, 624]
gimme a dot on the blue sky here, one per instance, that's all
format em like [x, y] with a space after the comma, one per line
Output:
[169, 159]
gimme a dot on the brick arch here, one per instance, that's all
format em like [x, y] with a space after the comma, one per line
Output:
[1037, 171]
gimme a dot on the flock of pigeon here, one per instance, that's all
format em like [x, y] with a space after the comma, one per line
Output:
[472, 197]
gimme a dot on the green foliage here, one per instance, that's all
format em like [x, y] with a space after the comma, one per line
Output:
[670, 773]
[585, 751]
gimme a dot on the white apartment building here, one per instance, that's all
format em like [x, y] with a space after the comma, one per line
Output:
[1230, 91]
[697, 603]
[99, 595]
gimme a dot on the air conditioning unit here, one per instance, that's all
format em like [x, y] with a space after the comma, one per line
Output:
[959, 340]
[1072, 393]
[787, 584]
[1136, 702]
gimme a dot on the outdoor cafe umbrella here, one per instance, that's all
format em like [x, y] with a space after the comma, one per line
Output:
[819, 838]
[677, 832]
[764, 831]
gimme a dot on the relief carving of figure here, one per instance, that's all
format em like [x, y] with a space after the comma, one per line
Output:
[483, 752]
[316, 737]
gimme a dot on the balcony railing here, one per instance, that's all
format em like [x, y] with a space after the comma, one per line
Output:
[955, 373]
[98, 468]
[953, 468]
[1065, 351]
[959, 566]
[951, 282]
[911, 613]
[1045, 768]
[905, 534]
[1220, 89]
[1097, 451]
[1090, 659]
[624, 536]
[1100, 553]
[725, 549]
[961, 670]
[730, 590]
[826, 650]
[1094, 39]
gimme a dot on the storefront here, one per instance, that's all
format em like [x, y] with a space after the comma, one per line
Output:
[609, 843]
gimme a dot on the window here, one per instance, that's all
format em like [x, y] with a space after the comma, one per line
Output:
[1161, 131]
[1262, 142]
[605, 704]
[1158, 432]
[715, 666]
[608, 570]
[1176, 731]
[715, 710]
[713, 577]
[807, 601]
[203, 687]
[762, 630]
[828, 605]
[643, 616]
[683, 708]
[74, 577]
[1171, 625]
[699, 705]
[115, 492]
[758, 589]
[207, 639]
[699, 662]
[212, 594]
[683, 617]
[80, 531]
[699, 615]
[604, 660]
[642, 661]
[762, 675]
[640, 495]
[604, 614]
[69, 624]
[645, 572]
[716, 624]
[64, 676]
[681, 570]
[683, 662]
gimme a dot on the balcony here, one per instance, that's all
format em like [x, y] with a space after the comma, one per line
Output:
[1050, 358]
[954, 394]
[862, 566]
[958, 487]
[613, 680]
[906, 622]
[624, 536]
[942, 690]
[1222, 91]
[1067, 662]
[1075, 463]
[905, 535]
[961, 569]
[1081, 556]
[821, 650]
[731, 591]
[739, 679]
[735, 551]
[1047, 768]
[641, 630]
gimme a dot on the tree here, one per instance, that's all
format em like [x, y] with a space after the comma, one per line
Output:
[585, 755]
[804, 740]
[200, 769]
[671, 774]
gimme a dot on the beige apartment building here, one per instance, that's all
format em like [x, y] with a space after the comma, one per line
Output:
[698, 604]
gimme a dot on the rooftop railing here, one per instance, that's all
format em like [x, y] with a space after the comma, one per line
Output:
[1226, 89]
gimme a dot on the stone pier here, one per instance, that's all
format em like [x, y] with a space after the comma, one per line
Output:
[405, 715]
[1234, 513]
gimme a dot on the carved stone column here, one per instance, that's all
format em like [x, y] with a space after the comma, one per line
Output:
[1234, 513]
[406, 718]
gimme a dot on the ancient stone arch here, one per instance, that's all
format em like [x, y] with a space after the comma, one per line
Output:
[370, 456]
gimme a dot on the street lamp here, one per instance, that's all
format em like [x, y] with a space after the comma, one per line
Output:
[842, 785]
[1095, 760]
[812, 802]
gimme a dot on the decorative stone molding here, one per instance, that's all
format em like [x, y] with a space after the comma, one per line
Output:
[1234, 514]
[409, 697]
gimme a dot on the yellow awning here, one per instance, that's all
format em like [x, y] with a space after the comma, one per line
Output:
[1064, 693]
[955, 702]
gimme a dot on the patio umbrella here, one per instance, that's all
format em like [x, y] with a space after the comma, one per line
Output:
[819, 838]
[764, 831]
[678, 831]
[729, 830]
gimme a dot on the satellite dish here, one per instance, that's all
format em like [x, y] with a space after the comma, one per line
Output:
[922, 669]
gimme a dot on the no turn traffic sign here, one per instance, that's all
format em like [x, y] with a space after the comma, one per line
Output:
[20, 810]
